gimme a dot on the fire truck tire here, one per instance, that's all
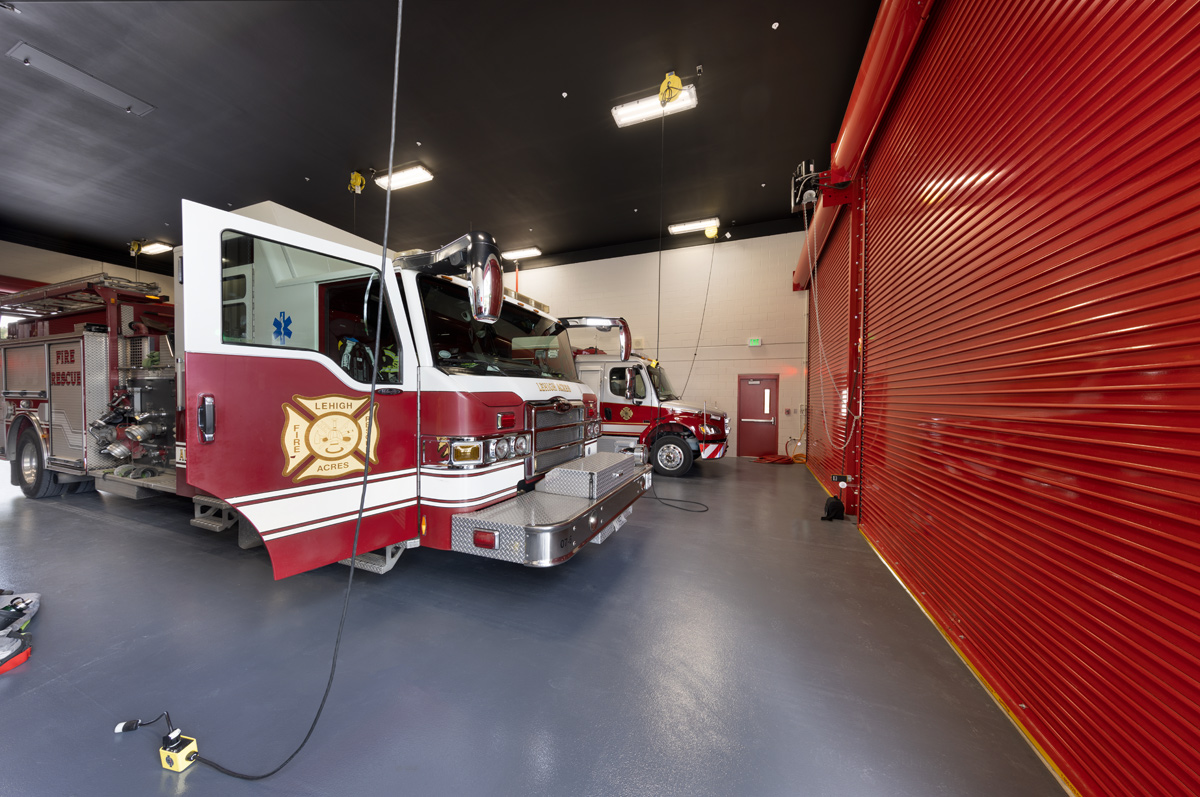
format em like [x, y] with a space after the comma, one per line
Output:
[85, 486]
[35, 480]
[671, 455]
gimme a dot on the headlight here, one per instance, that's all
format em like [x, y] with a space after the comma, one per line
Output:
[706, 429]
[521, 445]
[502, 448]
[466, 453]
[726, 424]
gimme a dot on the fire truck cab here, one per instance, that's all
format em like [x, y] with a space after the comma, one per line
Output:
[639, 405]
[254, 398]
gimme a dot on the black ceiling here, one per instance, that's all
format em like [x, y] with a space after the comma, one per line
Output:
[282, 100]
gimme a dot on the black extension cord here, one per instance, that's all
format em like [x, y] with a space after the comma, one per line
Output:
[195, 756]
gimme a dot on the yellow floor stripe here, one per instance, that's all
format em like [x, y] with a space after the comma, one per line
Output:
[1062, 779]
[818, 478]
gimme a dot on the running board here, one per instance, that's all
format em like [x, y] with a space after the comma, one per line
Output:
[381, 562]
[213, 514]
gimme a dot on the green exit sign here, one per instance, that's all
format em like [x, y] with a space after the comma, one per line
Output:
[755, 342]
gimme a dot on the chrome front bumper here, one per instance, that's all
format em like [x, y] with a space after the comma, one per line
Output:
[539, 529]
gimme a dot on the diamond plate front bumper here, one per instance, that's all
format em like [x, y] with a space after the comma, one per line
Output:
[539, 529]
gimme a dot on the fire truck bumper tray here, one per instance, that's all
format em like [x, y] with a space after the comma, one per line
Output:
[551, 524]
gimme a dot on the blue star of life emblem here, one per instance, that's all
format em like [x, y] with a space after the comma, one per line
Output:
[283, 329]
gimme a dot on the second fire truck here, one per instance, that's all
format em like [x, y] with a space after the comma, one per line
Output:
[639, 406]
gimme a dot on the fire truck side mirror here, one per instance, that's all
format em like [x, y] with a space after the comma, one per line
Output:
[626, 339]
[630, 376]
[487, 284]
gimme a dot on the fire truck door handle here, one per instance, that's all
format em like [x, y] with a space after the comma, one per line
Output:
[206, 418]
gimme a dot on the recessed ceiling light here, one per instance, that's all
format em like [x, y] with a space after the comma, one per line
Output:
[155, 248]
[774, 26]
[693, 226]
[404, 177]
[652, 108]
[521, 254]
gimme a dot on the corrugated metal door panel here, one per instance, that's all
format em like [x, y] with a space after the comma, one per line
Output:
[828, 338]
[1031, 438]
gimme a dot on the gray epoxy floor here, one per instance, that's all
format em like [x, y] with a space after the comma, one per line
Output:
[750, 650]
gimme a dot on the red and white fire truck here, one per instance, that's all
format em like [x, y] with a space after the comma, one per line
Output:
[251, 396]
[638, 405]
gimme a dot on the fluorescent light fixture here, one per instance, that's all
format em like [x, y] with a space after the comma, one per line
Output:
[651, 108]
[521, 254]
[693, 226]
[404, 177]
[155, 248]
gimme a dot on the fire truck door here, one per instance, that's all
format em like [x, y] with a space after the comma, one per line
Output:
[277, 361]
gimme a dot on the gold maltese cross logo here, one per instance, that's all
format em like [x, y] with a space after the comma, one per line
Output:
[326, 437]
[626, 413]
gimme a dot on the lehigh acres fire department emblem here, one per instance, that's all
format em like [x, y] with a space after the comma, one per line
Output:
[626, 413]
[326, 437]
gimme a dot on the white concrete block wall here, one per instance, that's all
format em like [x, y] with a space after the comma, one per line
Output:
[40, 265]
[749, 295]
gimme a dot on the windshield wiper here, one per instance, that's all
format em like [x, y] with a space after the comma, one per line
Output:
[528, 368]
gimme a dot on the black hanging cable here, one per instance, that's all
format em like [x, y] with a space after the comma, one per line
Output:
[370, 428]
[662, 165]
[703, 313]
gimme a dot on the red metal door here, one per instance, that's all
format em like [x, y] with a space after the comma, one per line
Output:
[277, 409]
[758, 415]
[1030, 424]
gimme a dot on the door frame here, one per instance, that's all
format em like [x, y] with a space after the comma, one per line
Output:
[738, 418]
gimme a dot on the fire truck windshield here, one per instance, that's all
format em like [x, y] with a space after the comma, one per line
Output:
[662, 385]
[520, 343]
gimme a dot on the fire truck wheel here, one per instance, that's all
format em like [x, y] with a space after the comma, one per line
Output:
[35, 480]
[85, 486]
[671, 455]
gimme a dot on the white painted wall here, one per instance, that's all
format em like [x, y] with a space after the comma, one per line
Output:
[750, 294]
[41, 265]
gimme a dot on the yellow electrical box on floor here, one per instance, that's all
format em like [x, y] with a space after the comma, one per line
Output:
[175, 758]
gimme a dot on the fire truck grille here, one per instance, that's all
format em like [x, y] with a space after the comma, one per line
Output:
[553, 438]
[548, 460]
[557, 433]
[548, 416]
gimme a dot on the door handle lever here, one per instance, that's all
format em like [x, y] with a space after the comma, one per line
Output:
[206, 418]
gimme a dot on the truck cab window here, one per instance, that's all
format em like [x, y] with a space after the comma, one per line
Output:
[281, 296]
[616, 383]
[522, 342]
[350, 338]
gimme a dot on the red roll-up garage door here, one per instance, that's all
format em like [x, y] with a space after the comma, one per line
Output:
[1031, 447]
[828, 339]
